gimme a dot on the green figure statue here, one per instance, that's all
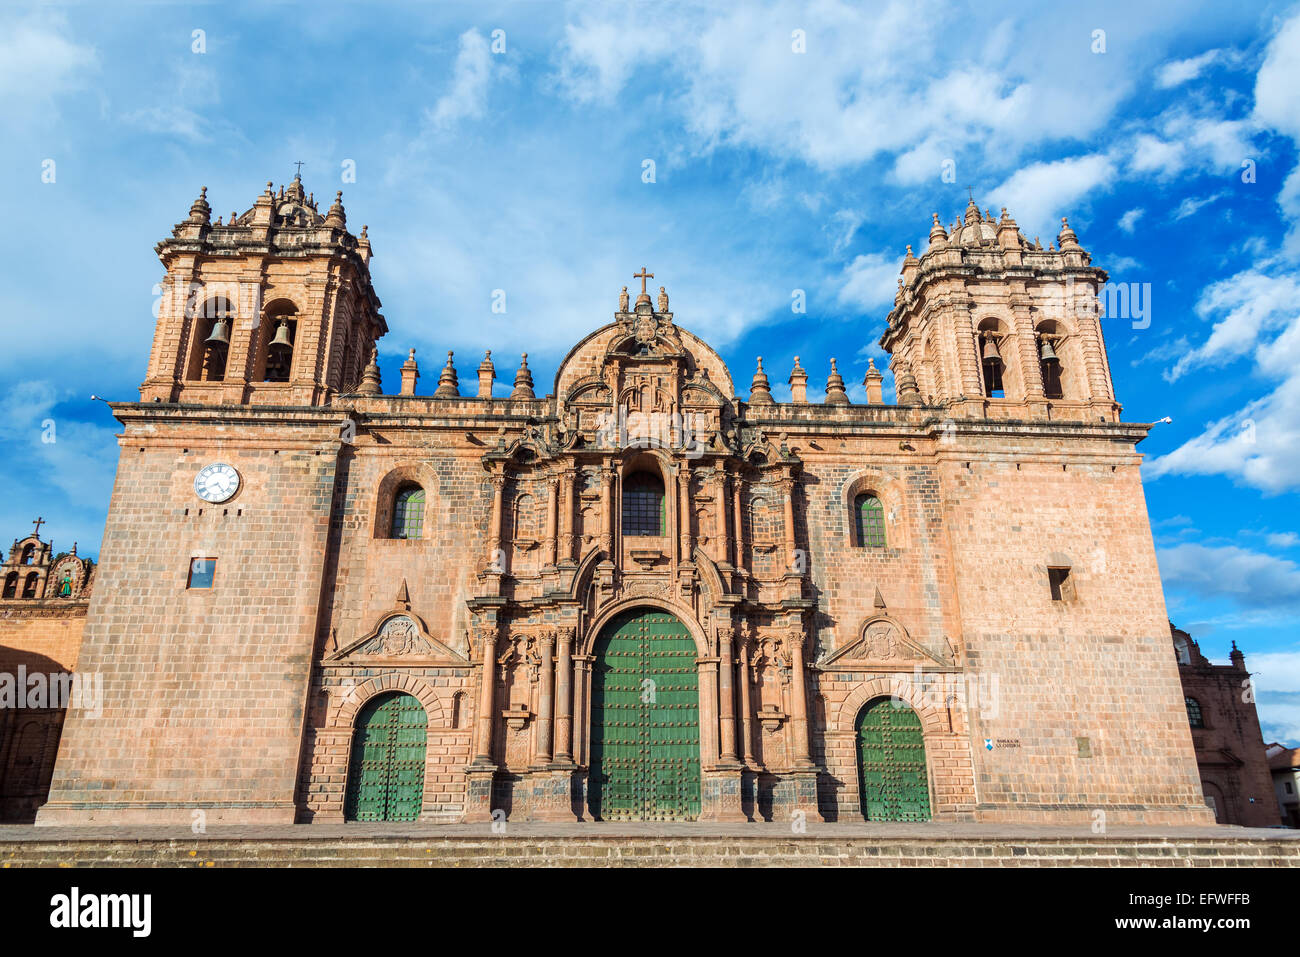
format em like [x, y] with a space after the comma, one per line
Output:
[65, 589]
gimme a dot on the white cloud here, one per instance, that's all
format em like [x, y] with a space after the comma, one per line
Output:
[471, 78]
[1129, 220]
[1283, 539]
[1252, 580]
[1191, 204]
[37, 62]
[1177, 72]
[1251, 304]
[870, 281]
[1040, 194]
[1277, 106]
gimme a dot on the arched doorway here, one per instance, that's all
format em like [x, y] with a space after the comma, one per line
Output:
[645, 720]
[892, 781]
[386, 769]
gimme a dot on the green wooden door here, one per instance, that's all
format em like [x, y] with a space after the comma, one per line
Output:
[645, 721]
[386, 772]
[891, 764]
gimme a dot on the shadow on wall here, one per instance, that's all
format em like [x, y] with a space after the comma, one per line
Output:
[29, 732]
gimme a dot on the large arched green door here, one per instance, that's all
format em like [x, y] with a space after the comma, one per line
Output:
[386, 771]
[891, 763]
[645, 721]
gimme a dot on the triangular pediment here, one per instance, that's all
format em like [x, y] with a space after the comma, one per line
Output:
[398, 636]
[882, 642]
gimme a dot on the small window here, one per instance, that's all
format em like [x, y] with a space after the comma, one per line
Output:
[1061, 584]
[1194, 715]
[1289, 789]
[643, 504]
[869, 514]
[408, 512]
[202, 571]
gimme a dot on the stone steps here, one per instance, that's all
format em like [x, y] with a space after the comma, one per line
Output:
[631, 851]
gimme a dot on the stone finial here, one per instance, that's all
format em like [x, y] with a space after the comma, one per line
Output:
[937, 234]
[448, 384]
[905, 386]
[798, 383]
[487, 374]
[663, 300]
[370, 384]
[872, 380]
[972, 212]
[410, 374]
[835, 391]
[1066, 238]
[760, 392]
[623, 300]
[909, 258]
[200, 211]
[336, 218]
[524, 377]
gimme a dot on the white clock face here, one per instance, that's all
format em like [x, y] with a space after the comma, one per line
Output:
[216, 482]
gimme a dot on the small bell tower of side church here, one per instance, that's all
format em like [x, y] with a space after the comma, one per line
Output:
[991, 325]
[274, 307]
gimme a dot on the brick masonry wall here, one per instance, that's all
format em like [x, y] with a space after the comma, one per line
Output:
[203, 689]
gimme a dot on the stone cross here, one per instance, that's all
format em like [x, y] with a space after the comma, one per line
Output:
[643, 276]
[38, 523]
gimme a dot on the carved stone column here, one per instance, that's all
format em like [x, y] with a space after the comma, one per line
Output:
[568, 492]
[552, 514]
[607, 480]
[564, 699]
[684, 511]
[799, 719]
[722, 548]
[738, 530]
[480, 773]
[495, 562]
[726, 699]
[546, 698]
[746, 709]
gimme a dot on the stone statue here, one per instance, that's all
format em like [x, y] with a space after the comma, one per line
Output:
[663, 300]
[623, 300]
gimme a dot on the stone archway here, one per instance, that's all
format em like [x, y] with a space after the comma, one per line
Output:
[386, 766]
[645, 719]
[893, 783]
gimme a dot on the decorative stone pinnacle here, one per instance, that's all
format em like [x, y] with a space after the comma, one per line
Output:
[523, 381]
[760, 392]
[448, 383]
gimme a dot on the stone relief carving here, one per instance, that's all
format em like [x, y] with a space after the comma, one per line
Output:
[398, 636]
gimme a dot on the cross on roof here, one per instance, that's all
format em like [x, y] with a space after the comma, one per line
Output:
[643, 276]
[298, 164]
[38, 523]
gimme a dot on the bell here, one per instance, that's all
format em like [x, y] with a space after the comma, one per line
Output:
[991, 350]
[281, 341]
[1047, 353]
[220, 337]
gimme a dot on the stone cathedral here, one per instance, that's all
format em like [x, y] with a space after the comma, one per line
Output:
[633, 593]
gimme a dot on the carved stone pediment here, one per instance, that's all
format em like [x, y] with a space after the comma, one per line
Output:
[881, 642]
[398, 636]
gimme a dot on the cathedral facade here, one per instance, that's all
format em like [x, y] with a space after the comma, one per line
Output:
[635, 594]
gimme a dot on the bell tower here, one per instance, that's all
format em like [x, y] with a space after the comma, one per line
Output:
[274, 307]
[991, 325]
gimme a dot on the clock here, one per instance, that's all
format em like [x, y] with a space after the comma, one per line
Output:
[216, 482]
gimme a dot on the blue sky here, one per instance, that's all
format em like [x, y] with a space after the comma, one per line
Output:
[522, 169]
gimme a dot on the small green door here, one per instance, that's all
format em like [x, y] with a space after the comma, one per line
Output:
[386, 772]
[645, 721]
[891, 763]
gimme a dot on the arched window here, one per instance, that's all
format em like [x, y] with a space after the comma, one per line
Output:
[643, 504]
[29, 555]
[408, 512]
[1049, 359]
[29, 587]
[1194, 715]
[11, 585]
[279, 334]
[869, 515]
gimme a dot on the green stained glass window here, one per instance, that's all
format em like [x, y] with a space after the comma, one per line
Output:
[1194, 715]
[643, 505]
[870, 515]
[408, 512]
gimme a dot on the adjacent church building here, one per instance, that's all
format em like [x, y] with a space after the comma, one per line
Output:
[645, 590]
